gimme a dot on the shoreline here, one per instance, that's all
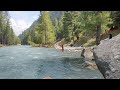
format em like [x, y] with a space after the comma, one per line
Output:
[86, 54]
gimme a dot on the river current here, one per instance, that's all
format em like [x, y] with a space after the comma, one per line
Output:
[25, 62]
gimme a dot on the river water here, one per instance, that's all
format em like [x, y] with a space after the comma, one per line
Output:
[25, 62]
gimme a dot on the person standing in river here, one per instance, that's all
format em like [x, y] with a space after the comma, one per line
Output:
[62, 44]
[62, 48]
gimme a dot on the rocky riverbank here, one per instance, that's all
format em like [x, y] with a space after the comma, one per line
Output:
[89, 61]
[107, 57]
[87, 54]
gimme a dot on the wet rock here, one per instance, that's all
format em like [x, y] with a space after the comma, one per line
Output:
[90, 65]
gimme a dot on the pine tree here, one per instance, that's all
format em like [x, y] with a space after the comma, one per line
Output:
[115, 15]
[47, 28]
[67, 25]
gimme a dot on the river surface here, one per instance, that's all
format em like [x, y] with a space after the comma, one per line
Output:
[25, 62]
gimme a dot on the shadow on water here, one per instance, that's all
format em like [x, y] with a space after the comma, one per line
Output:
[72, 62]
[2, 55]
[65, 68]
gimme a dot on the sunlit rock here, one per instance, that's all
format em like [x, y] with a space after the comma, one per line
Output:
[107, 57]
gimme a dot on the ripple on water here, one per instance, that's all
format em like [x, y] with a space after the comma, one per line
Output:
[35, 57]
[12, 58]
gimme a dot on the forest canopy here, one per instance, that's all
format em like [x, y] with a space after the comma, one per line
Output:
[7, 35]
[77, 27]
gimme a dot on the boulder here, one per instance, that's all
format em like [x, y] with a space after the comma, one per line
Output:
[87, 54]
[107, 57]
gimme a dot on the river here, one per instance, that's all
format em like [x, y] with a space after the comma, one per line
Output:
[25, 62]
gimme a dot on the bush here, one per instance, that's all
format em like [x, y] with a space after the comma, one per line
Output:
[33, 44]
[81, 41]
[90, 42]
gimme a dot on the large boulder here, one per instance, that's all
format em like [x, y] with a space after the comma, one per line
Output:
[87, 53]
[107, 57]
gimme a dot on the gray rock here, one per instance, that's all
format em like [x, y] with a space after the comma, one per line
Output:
[87, 54]
[107, 57]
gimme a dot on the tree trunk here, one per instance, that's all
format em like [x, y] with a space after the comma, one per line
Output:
[73, 37]
[45, 35]
[98, 31]
[77, 37]
[2, 38]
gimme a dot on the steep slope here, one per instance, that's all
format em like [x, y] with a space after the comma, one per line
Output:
[34, 24]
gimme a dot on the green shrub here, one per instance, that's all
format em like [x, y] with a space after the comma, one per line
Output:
[81, 41]
[90, 42]
[33, 44]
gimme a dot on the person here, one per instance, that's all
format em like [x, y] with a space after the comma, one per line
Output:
[110, 36]
[62, 44]
[62, 48]
[110, 32]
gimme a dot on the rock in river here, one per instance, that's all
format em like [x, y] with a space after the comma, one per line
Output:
[87, 53]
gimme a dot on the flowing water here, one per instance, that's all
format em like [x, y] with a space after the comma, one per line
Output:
[25, 62]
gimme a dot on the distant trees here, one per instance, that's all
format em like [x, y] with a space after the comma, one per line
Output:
[7, 35]
[43, 32]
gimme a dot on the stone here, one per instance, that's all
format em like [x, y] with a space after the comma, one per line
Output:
[107, 57]
[47, 77]
[87, 54]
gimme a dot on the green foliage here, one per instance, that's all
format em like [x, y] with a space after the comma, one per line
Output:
[90, 42]
[33, 44]
[41, 32]
[7, 35]
[90, 19]
[115, 15]
[77, 27]
[47, 28]
[67, 25]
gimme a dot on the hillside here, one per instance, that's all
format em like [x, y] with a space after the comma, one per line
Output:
[52, 14]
